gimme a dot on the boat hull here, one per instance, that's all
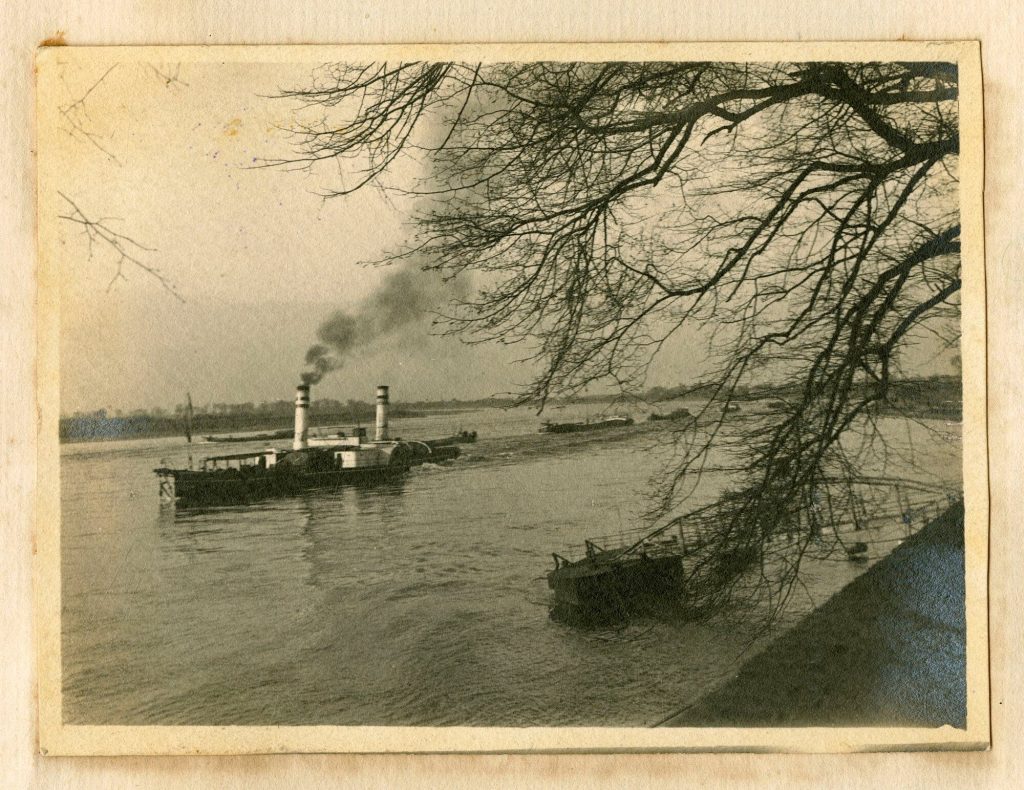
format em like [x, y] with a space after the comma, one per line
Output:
[597, 591]
[465, 437]
[190, 489]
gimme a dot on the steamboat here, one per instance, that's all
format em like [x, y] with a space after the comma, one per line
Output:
[310, 463]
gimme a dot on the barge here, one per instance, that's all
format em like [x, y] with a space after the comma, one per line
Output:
[677, 415]
[258, 437]
[462, 437]
[576, 427]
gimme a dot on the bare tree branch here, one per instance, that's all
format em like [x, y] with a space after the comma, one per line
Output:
[169, 78]
[124, 247]
[76, 114]
[803, 215]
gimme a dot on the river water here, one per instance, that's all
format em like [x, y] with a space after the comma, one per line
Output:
[421, 602]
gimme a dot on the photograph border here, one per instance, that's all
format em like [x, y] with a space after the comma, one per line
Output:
[56, 737]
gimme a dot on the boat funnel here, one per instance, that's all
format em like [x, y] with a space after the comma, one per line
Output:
[301, 438]
[381, 434]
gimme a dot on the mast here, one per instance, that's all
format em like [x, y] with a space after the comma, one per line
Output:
[188, 426]
[188, 418]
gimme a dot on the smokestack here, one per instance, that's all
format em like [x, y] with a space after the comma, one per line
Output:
[300, 441]
[382, 414]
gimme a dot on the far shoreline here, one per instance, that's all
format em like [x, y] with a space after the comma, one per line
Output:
[935, 397]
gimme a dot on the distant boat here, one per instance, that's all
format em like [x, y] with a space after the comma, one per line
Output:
[576, 427]
[254, 437]
[462, 437]
[678, 414]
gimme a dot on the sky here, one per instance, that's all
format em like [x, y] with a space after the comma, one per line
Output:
[168, 155]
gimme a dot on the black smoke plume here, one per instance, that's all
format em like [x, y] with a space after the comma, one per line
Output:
[405, 303]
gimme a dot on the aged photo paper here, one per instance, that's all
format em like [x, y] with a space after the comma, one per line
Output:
[511, 398]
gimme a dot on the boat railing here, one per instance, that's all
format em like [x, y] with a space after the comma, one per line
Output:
[640, 541]
[912, 507]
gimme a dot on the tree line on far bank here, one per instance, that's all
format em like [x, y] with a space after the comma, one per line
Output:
[214, 419]
[935, 396]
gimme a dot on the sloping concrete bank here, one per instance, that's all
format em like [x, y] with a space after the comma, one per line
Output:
[888, 649]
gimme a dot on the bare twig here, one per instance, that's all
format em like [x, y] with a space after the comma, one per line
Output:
[167, 77]
[124, 247]
[76, 114]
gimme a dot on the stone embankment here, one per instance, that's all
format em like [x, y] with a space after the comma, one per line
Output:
[886, 650]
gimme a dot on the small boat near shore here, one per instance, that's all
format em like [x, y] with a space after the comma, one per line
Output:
[607, 588]
[611, 582]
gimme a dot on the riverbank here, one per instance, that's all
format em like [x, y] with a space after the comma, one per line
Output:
[888, 649]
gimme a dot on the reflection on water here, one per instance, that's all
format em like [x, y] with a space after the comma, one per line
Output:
[419, 602]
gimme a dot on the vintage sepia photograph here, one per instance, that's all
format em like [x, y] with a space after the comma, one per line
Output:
[505, 398]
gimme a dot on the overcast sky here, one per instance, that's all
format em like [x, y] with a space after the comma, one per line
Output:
[259, 258]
